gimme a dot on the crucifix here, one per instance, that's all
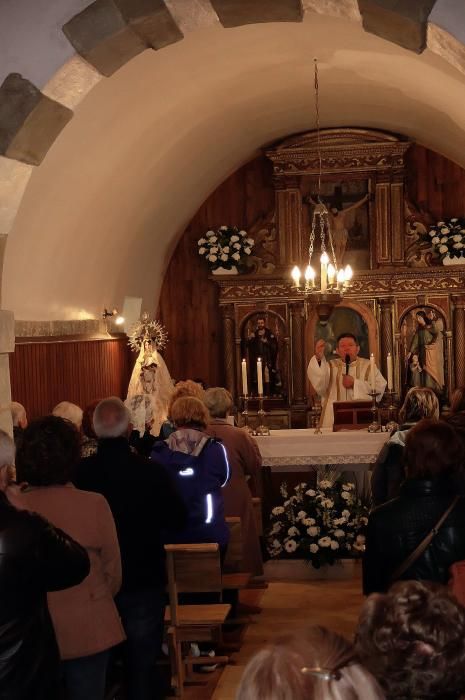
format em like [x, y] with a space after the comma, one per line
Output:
[337, 215]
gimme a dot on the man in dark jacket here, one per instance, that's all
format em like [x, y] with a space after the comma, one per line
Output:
[35, 558]
[144, 503]
[434, 456]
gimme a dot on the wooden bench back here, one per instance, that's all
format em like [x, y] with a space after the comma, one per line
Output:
[193, 568]
[233, 559]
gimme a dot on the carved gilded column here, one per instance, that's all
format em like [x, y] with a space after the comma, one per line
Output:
[383, 232]
[297, 353]
[288, 199]
[387, 344]
[459, 339]
[227, 311]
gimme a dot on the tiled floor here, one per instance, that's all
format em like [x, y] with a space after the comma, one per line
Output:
[292, 606]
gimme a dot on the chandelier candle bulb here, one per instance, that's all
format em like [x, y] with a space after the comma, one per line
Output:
[372, 372]
[348, 274]
[260, 376]
[390, 373]
[331, 274]
[341, 278]
[296, 275]
[244, 378]
[324, 260]
[309, 276]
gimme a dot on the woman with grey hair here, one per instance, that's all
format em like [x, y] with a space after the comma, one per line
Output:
[314, 665]
[388, 475]
[244, 460]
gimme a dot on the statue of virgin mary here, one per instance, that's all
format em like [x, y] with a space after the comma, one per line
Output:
[151, 386]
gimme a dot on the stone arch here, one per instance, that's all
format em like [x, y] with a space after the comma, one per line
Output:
[108, 34]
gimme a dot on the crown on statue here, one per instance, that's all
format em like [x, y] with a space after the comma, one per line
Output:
[147, 329]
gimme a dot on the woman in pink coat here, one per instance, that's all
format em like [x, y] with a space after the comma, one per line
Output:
[244, 459]
[85, 617]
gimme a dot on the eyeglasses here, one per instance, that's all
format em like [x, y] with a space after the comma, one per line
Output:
[324, 674]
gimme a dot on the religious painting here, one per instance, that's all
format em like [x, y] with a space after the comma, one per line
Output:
[348, 210]
[422, 338]
[343, 320]
[262, 337]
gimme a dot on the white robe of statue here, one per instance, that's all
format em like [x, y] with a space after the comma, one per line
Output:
[149, 391]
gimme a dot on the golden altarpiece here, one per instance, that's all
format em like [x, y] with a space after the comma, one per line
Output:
[396, 273]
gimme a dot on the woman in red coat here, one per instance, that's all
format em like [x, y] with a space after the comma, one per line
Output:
[244, 460]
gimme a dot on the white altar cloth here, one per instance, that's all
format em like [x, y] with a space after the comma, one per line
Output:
[297, 450]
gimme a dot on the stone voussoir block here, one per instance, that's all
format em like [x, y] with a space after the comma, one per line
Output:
[29, 120]
[101, 35]
[235, 13]
[404, 23]
[151, 20]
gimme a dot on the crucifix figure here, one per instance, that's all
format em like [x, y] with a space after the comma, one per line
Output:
[337, 216]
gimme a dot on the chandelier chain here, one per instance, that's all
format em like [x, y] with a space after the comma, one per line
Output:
[317, 113]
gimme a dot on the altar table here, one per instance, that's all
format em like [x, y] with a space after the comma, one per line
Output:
[293, 452]
[299, 450]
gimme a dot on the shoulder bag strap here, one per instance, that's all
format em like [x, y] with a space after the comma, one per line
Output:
[407, 563]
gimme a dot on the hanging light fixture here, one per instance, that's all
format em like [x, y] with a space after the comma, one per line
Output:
[333, 278]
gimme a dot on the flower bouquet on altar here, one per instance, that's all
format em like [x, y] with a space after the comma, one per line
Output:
[448, 238]
[320, 525]
[225, 248]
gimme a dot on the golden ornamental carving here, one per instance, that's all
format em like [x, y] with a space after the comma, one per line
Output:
[340, 163]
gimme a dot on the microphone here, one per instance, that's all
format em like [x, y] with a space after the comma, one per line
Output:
[347, 361]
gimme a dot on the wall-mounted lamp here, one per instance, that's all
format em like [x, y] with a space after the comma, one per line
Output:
[119, 320]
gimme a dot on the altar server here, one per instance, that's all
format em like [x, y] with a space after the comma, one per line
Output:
[347, 378]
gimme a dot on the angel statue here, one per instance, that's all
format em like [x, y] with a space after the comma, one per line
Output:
[151, 386]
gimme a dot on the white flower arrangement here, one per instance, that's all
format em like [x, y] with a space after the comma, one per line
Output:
[226, 247]
[448, 237]
[319, 524]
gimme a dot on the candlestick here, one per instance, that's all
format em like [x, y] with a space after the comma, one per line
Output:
[372, 372]
[374, 426]
[245, 415]
[260, 376]
[391, 425]
[262, 428]
[245, 388]
[390, 383]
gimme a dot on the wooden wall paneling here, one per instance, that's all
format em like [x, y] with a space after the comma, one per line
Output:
[189, 298]
[189, 302]
[45, 373]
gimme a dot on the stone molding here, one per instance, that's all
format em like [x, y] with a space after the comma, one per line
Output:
[29, 120]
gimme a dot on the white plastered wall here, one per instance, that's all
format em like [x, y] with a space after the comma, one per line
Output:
[101, 215]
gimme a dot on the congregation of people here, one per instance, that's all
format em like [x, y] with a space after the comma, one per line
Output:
[87, 505]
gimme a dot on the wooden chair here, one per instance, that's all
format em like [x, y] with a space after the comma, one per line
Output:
[192, 568]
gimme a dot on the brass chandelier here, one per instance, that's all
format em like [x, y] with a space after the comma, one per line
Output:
[333, 278]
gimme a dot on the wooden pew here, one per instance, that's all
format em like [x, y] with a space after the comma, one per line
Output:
[192, 568]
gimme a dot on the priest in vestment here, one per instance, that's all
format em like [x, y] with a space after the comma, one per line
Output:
[344, 379]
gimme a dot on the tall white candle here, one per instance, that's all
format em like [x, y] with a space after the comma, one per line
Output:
[260, 376]
[390, 381]
[324, 260]
[372, 372]
[245, 388]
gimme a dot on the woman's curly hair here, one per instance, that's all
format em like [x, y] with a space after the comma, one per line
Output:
[412, 639]
[48, 452]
